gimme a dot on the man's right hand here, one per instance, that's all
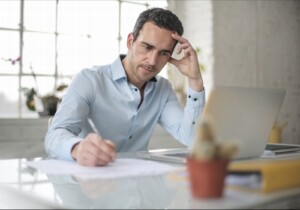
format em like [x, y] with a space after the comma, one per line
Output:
[94, 151]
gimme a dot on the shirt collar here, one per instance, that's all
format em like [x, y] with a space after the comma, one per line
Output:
[118, 70]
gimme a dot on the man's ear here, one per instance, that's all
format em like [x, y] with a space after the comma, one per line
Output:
[129, 40]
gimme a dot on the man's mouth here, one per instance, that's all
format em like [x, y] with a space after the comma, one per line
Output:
[148, 68]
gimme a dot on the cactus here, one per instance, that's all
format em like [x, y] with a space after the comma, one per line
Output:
[206, 146]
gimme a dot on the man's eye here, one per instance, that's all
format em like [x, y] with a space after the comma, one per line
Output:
[147, 47]
[165, 53]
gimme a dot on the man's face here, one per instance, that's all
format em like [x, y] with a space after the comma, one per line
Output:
[149, 53]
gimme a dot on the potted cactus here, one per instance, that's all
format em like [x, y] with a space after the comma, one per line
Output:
[208, 161]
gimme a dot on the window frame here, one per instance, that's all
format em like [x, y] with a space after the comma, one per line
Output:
[56, 75]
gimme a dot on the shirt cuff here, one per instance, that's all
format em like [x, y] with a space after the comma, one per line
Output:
[195, 99]
[67, 153]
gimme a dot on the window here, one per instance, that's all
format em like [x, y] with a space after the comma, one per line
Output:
[54, 39]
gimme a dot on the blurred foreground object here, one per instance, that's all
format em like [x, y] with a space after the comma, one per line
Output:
[208, 162]
[276, 132]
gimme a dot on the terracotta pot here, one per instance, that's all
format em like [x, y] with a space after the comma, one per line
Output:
[207, 177]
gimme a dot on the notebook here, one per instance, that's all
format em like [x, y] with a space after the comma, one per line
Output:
[244, 115]
[281, 150]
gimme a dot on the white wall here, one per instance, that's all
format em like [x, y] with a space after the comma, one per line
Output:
[253, 43]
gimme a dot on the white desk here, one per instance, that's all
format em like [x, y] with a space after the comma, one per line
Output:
[24, 187]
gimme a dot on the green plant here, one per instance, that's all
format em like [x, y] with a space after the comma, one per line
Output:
[49, 102]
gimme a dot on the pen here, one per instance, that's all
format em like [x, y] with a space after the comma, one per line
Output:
[91, 123]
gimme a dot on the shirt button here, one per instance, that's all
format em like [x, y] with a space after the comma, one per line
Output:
[189, 96]
[130, 137]
[193, 123]
[136, 89]
[195, 99]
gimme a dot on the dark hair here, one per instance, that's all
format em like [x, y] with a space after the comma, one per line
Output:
[161, 17]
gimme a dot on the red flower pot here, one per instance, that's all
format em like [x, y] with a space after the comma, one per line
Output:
[207, 177]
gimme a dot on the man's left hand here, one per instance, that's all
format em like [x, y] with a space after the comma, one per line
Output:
[188, 65]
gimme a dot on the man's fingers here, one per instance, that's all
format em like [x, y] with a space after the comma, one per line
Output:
[107, 150]
[180, 39]
[174, 62]
[105, 146]
[95, 151]
[111, 148]
[183, 47]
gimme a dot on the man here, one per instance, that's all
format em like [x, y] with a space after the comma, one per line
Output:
[126, 99]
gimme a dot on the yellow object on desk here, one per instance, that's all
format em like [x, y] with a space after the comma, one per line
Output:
[276, 132]
[274, 174]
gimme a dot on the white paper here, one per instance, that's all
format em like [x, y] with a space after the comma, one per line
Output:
[123, 167]
[249, 180]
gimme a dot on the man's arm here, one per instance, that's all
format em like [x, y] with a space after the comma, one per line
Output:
[182, 124]
[63, 140]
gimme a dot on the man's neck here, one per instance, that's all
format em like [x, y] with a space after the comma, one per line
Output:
[130, 77]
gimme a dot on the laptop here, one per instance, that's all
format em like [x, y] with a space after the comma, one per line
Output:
[244, 115]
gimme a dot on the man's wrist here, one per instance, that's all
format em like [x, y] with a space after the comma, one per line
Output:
[74, 151]
[196, 84]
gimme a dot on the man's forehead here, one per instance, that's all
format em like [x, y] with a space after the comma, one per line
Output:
[156, 36]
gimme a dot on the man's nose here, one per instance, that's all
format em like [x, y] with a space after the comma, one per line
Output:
[153, 58]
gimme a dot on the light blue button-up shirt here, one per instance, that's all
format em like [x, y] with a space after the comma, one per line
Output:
[104, 94]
